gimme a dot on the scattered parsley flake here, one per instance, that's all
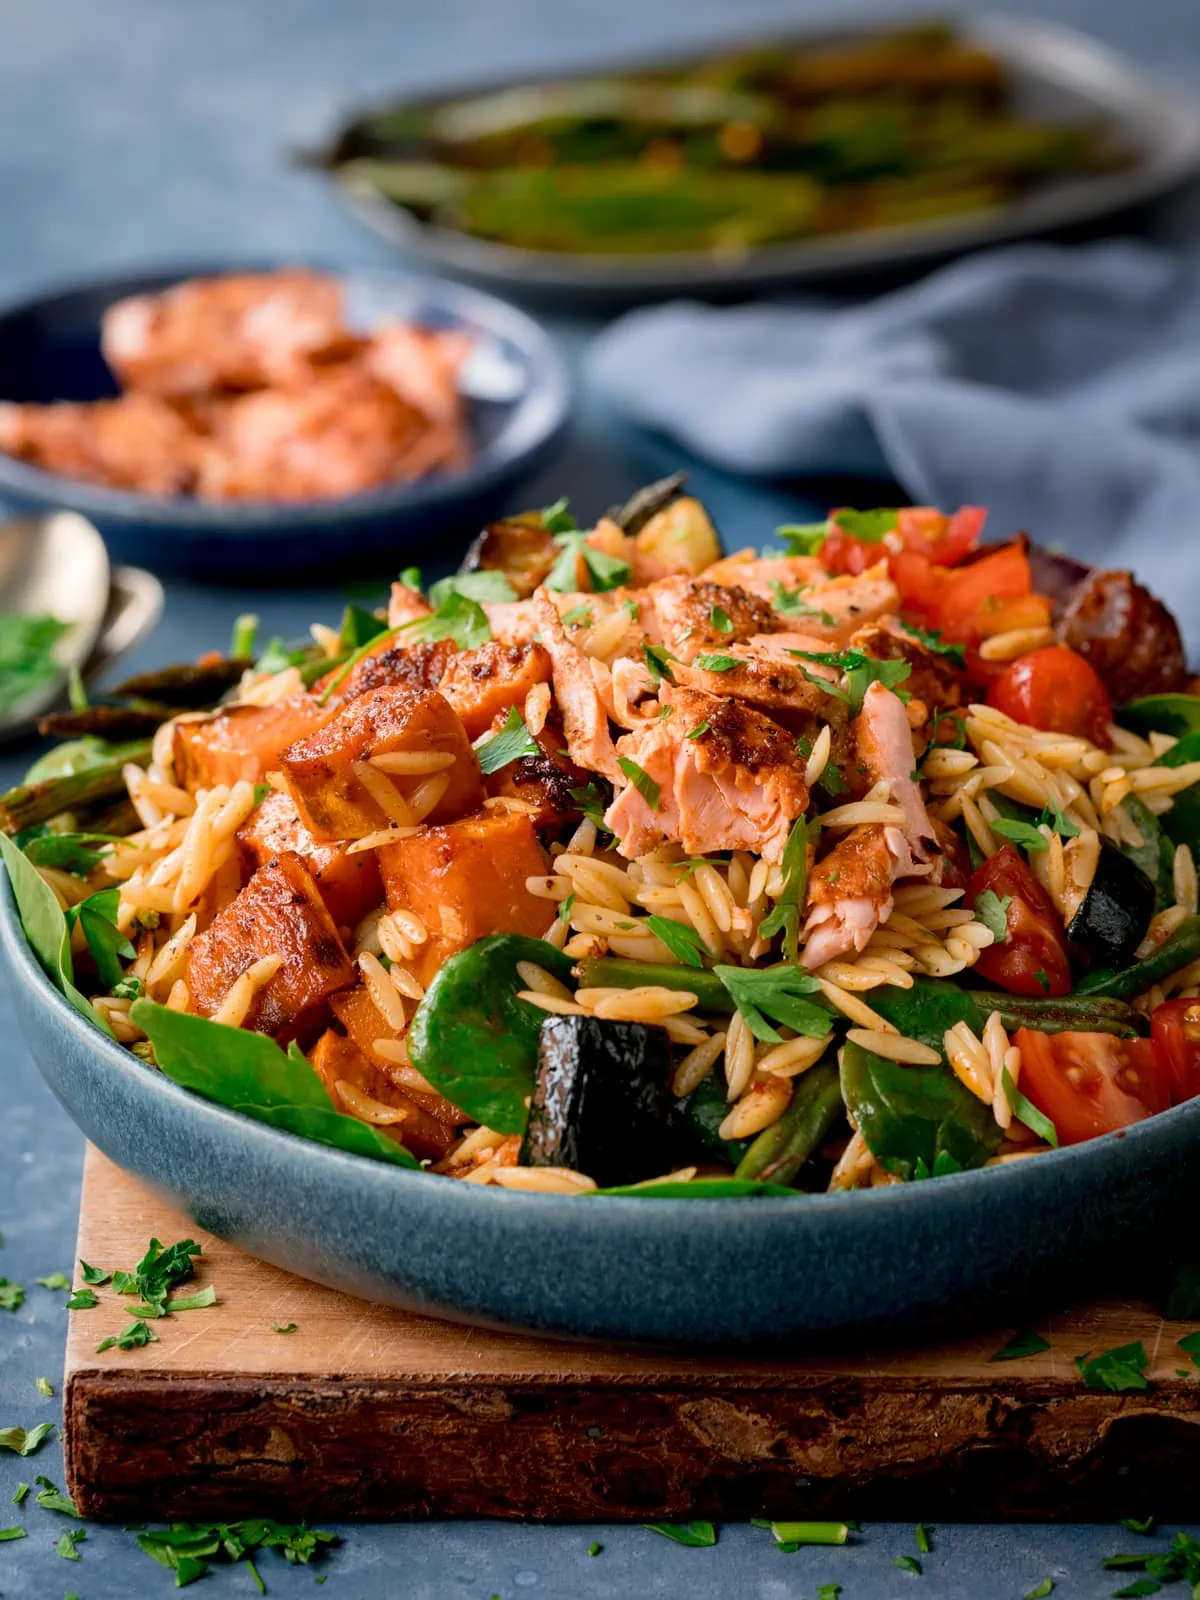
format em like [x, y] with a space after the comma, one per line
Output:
[284, 1327]
[803, 538]
[578, 614]
[1043, 979]
[595, 1548]
[922, 1538]
[24, 1441]
[1020, 1346]
[511, 743]
[780, 992]
[932, 640]
[631, 607]
[720, 619]
[698, 731]
[56, 1280]
[1121, 1370]
[908, 1564]
[51, 1498]
[1022, 833]
[21, 1491]
[789, 603]
[992, 911]
[1134, 1590]
[1140, 1525]
[189, 1302]
[485, 587]
[1190, 1344]
[784, 915]
[1052, 818]
[44, 1387]
[959, 742]
[684, 943]
[658, 662]
[458, 617]
[1041, 1591]
[134, 1337]
[12, 1295]
[860, 672]
[83, 1300]
[12, 1533]
[641, 781]
[1025, 1111]
[564, 910]
[66, 1545]
[696, 1535]
[717, 663]
[605, 571]
[869, 526]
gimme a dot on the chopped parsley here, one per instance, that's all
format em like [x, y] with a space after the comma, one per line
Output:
[664, 712]
[1021, 833]
[720, 619]
[641, 781]
[1020, 1346]
[186, 1548]
[591, 803]
[992, 911]
[717, 663]
[12, 1533]
[1118, 1371]
[684, 943]
[489, 586]
[1140, 1525]
[1025, 1111]
[831, 780]
[564, 910]
[658, 662]
[19, 1493]
[784, 915]
[698, 731]
[93, 1275]
[696, 1535]
[1041, 1591]
[595, 1548]
[781, 993]
[137, 1335]
[51, 1498]
[24, 1441]
[908, 1564]
[959, 724]
[859, 670]
[83, 1300]
[1190, 1345]
[932, 640]
[789, 603]
[66, 1545]
[44, 1387]
[922, 1538]
[12, 1295]
[803, 538]
[1053, 819]
[869, 526]
[605, 571]
[513, 742]
[458, 617]
[284, 1327]
[56, 1280]
[578, 614]
[1043, 979]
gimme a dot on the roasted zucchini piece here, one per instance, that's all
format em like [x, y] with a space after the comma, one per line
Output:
[1114, 914]
[601, 1100]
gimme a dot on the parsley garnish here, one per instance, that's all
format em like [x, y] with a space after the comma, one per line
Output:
[12, 1295]
[698, 731]
[1041, 1591]
[717, 663]
[696, 1535]
[56, 1280]
[779, 992]
[557, 518]
[1140, 1525]
[658, 662]
[860, 672]
[1020, 1346]
[44, 1387]
[488, 586]
[93, 1275]
[580, 613]
[134, 1337]
[605, 571]
[1053, 819]
[908, 1564]
[1191, 1346]
[591, 803]
[922, 1538]
[932, 640]
[186, 1548]
[1119, 1371]
[11, 1533]
[641, 781]
[720, 619]
[284, 1327]
[684, 943]
[803, 538]
[564, 910]
[19, 1493]
[788, 603]
[83, 1300]
[784, 915]
[595, 1548]
[51, 1498]
[992, 911]
[1022, 833]
[66, 1545]
[511, 743]
[1025, 1111]
[869, 526]
[458, 617]
[24, 1441]
[1043, 979]
[959, 724]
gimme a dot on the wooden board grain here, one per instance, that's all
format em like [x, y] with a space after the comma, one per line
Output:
[374, 1413]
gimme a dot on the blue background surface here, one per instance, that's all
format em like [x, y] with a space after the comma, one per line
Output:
[134, 132]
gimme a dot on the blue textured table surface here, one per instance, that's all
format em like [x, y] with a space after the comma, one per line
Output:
[135, 132]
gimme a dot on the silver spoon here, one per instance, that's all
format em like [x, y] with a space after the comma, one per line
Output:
[53, 565]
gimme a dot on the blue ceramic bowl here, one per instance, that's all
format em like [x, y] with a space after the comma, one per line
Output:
[520, 401]
[694, 1272]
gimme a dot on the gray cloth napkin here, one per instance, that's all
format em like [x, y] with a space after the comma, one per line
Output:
[1058, 387]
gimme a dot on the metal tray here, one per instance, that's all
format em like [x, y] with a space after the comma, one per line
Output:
[1056, 73]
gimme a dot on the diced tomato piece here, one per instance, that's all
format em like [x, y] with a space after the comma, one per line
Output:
[1032, 959]
[842, 553]
[946, 540]
[1175, 1032]
[1057, 690]
[970, 605]
[918, 580]
[1089, 1083]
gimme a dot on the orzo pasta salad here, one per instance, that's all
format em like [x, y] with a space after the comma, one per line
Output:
[616, 863]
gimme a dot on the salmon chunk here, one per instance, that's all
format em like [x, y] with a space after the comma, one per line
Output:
[335, 777]
[577, 680]
[485, 682]
[133, 442]
[466, 881]
[348, 1074]
[690, 616]
[348, 884]
[241, 741]
[721, 777]
[279, 912]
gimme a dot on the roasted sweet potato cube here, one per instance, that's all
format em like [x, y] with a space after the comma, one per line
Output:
[324, 772]
[362, 1019]
[349, 1077]
[486, 681]
[348, 883]
[242, 742]
[399, 662]
[544, 781]
[278, 912]
[466, 881]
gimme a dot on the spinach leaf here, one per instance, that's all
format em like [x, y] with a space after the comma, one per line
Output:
[250, 1073]
[1156, 853]
[474, 1039]
[97, 916]
[1176, 714]
[68, 852]
[1182, 821]
[81, 755]
[45, 928]
[927, 1010]
[913, 1115]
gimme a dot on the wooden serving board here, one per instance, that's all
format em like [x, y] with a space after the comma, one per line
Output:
[372, 1413]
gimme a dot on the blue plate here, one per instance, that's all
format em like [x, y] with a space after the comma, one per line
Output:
[520, 398]
[694, 1272]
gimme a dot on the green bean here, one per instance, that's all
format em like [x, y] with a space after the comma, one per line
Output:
[1181, 948]
[1073, 1013]
[779, 1152]
[614, 972]
[30, 803]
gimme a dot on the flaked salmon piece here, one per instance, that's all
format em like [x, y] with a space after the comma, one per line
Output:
[836, 607]
[885, 749]
[423, 366]
[934, 680]
[512, 621]
[576, 689]
[760, 574]
[762, 672]
[406, 605]
[688, 616]
[849, 893]
[727, 778]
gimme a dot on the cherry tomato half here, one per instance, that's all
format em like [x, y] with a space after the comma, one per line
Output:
[1032, 959]
[922, 531]
[1175, 1032]
[1057, 690]
[971, 600]
[1089, 1083]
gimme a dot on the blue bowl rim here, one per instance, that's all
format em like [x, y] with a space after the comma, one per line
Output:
[537, 418]
[909, 1202]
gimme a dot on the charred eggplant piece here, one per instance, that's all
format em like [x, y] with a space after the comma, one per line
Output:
[601, 1100]
[1112, 920]
[647, 502]
[521, 547]
[699, 1117]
